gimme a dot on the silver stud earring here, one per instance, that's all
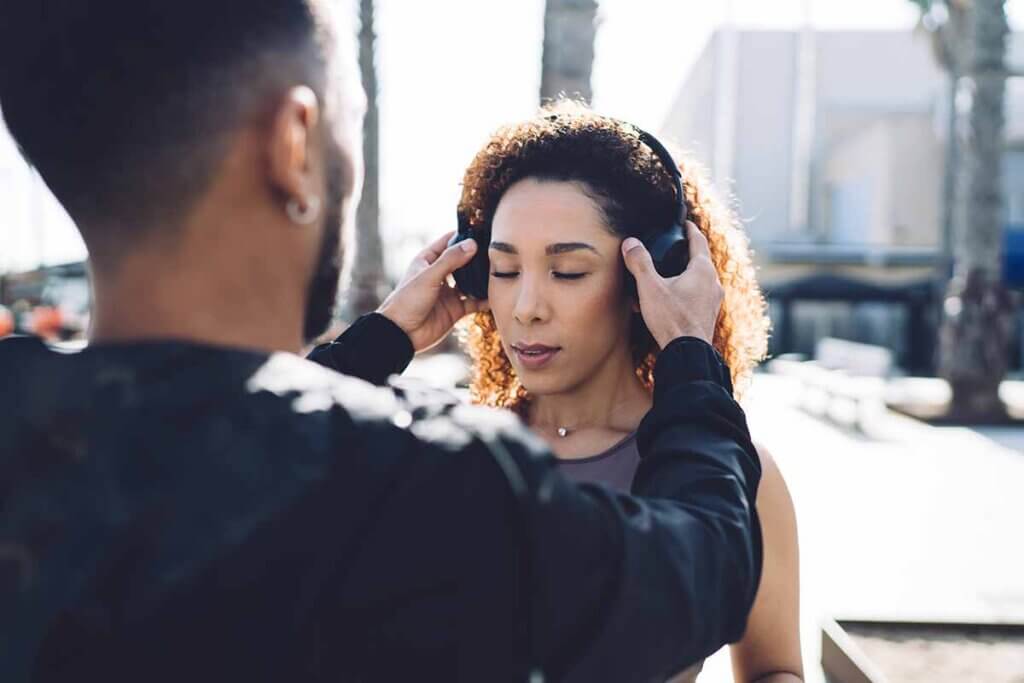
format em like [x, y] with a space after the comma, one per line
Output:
[303, 213]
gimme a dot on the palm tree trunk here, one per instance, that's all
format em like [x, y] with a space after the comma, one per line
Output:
[977, 320]
[368, 282]
[568, 56]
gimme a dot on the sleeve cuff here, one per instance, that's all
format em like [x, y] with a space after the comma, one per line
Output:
[373, 348]
[688, 359]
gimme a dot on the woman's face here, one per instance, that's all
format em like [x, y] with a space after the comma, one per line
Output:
[556, 286]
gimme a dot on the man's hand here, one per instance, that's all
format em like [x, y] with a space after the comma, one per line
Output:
[423, 305]
[683, 306]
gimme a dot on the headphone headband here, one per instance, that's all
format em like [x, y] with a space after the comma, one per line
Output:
[673, 170]
[660, 151]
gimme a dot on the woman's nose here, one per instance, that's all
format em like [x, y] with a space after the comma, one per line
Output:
[529, 307]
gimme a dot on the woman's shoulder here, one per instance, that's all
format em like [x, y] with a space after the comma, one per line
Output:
[767, 459]
[769, 467]
[774, 501]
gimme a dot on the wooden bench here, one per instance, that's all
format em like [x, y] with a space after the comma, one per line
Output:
[845, 383]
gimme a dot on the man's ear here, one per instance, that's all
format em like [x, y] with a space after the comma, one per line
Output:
[291, 146]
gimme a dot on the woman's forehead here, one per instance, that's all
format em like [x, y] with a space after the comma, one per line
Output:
[537, 213]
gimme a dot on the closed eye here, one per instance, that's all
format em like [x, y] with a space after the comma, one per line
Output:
[558, 276]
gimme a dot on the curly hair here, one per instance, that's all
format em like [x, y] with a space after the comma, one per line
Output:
[567, 141]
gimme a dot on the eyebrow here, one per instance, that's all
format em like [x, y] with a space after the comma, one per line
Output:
[551, 249]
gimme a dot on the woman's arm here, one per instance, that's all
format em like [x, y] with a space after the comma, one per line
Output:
[770, 649]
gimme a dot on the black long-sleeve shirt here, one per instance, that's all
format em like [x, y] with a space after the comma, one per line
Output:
[174, 511]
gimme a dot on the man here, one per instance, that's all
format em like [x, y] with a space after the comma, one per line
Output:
[186, 499]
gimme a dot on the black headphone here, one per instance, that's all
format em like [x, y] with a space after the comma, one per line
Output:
[668, 246]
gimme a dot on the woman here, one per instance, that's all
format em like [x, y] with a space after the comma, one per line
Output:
[563, 344]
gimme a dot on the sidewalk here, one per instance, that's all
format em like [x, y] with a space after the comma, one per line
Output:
[913, 522]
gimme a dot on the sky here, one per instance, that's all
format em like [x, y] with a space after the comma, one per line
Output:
[451, 72]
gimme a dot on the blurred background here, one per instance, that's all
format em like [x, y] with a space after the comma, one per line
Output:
[875, 152]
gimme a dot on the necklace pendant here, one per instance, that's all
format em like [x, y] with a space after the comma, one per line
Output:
[563, 431]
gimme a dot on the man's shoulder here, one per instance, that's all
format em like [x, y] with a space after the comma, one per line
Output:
[23, 367]
[277, 390]
[431, 415]
[153, 385]
[17, 347]
[312, 388]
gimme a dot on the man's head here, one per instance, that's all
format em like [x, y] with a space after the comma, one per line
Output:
[194, 128]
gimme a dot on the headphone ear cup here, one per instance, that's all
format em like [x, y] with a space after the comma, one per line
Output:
[471, 279]
[670, 251]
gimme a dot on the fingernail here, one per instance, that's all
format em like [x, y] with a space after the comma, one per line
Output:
[630, 243]
[468, 245]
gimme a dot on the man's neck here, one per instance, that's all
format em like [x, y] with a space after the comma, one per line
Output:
[142, 300]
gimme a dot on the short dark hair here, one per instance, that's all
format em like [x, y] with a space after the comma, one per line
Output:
[123, 105]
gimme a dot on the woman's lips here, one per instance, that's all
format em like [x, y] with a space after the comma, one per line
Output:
[534, 356]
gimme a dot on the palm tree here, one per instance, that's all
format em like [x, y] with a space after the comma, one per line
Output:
[568, 56]
[368, 283]
[969, 37]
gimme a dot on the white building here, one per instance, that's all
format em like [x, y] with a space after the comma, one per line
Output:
[833, 145]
